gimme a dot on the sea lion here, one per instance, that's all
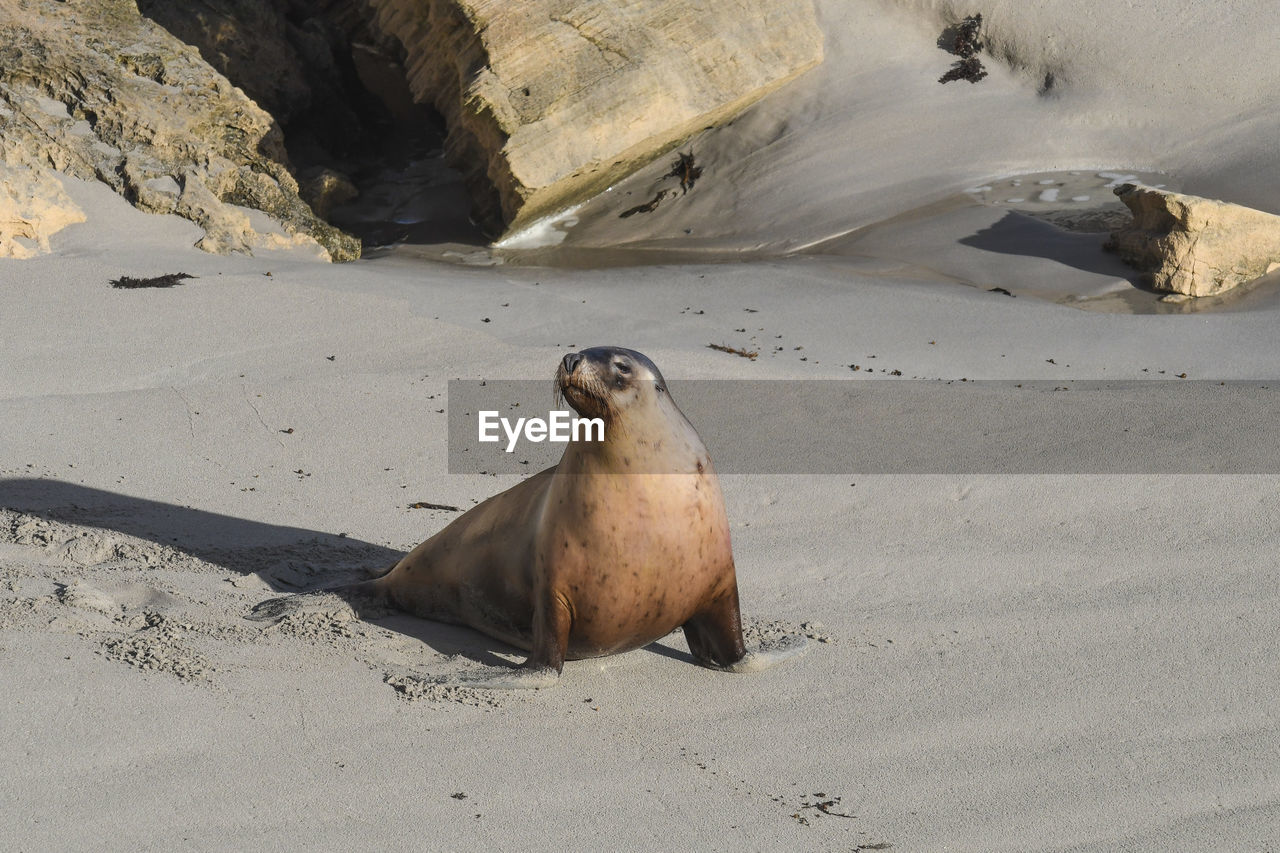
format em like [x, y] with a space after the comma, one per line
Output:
[622, 542]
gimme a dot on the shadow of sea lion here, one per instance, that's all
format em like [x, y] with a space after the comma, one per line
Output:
[288, 559]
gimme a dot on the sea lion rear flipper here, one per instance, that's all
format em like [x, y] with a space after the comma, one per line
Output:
[502, 678]
[274, 608]
[362, 598]
[551, 621]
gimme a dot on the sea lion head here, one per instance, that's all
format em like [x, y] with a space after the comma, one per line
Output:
[645, 431]
[603, 382]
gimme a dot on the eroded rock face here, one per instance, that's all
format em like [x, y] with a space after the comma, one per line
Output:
[95, 90]
[551, 101]
[296, 60]
[1195, 246]
[33, 206]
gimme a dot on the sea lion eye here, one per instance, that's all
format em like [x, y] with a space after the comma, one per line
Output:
[622, 367]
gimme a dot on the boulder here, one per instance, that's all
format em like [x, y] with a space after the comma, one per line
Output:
[1195, 246]
[95, 90]
[549, 102]
[33, 206]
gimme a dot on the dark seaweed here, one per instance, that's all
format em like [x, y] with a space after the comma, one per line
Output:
[686, 169]
[967, 44]
[648, 207]
[167, 280]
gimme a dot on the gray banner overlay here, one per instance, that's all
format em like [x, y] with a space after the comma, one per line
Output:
[924, 427]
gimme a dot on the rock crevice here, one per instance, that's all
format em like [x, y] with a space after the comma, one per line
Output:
[547, 102]
[551, 101]
[97, 91]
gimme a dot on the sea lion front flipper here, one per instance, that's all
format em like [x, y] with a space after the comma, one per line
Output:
[552, 619]
[715, 634]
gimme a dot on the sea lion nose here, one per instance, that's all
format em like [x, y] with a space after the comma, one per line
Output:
[571, 361]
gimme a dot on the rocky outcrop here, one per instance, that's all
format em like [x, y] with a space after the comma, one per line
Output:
[551, 101]
[95, 90]
[1195, 246]
[33, 206]
[298, 61]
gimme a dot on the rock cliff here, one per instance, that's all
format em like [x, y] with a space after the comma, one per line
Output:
[1195, 246]
[183, 107]
[33, 207]
[551, 101]
[97, 91]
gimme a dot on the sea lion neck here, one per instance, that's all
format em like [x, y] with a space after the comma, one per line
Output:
[654, 438]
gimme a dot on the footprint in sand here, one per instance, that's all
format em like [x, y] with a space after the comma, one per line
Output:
[159, 643]
[116, 600]
[133, 624]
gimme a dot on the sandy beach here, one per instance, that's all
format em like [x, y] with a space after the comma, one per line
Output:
[1015, 661]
